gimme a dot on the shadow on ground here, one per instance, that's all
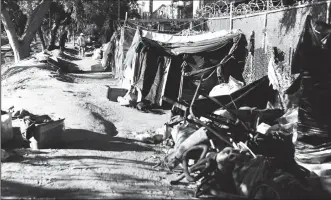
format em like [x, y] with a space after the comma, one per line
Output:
[146, 189]
[71, 51]
[65, 66]
[110, 128]
[20, 190]
[15, 70]
[94, 75]
[62, 77]
[84, 139]
[69, 57]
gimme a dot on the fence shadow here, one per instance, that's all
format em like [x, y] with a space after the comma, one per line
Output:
[17, 190]
[84, 139]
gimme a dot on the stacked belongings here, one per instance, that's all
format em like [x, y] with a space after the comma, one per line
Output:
[231, 159]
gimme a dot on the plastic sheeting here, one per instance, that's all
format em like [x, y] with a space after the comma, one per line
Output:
[226, 88]
[198, 46]
[173, 39]
[130, 61]
[312, 59]
[250, 96]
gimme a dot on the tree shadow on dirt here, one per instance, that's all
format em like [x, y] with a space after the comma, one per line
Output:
[71, 51]
[20, 190]
[62, 77]
[95, 75]
[155, 111]
[11, 71]
[117, 161]
[68, 67]
[84, 139]
[110, 128]
[146, 189]
[69, 57]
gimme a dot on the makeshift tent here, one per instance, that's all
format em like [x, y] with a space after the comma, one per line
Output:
[121, 42]
[108, 62]
[154, 62]
[312, 60]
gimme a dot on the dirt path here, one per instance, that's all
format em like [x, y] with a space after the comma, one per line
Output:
[99, 157]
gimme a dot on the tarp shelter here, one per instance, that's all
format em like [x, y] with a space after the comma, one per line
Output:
[116, 50]
[312, 59]
[154, 62]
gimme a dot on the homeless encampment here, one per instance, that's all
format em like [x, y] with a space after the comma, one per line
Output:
[155, 62]
[217, 139]
[115, 50]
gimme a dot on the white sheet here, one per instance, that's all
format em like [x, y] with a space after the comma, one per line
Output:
[168, 38]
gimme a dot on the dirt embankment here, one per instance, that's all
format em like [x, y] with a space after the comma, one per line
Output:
[99, 158]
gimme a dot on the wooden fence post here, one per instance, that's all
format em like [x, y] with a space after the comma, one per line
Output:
[231, 15]
[265, 33]
[328, 12]
[119, 9]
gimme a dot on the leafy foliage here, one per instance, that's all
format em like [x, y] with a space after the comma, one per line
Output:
[16, 13]
[91, 16]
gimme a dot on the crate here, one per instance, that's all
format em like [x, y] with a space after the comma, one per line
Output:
[49, 134]
[6, 128]
[113, 93]
[97, 68]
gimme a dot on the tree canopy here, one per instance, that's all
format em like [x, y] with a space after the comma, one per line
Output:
[22, 19]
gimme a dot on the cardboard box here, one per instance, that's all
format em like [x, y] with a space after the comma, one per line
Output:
[113, 93]
[49, 134]
[6, 128]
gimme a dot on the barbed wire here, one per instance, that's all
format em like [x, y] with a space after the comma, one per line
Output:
[222, 8]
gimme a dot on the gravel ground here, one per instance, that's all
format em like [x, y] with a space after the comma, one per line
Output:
[99, 157]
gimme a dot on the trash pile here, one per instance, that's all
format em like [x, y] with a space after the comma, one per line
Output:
[34, 131]
[249, 142]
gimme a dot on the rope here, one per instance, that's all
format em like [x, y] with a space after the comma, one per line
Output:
[233, 102]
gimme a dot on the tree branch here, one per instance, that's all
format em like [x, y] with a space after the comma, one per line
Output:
[67, 17]
[11, 33]
[36, 20]
[9, 27]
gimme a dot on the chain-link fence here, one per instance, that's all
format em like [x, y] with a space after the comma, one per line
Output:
[219, 8]
[274, 28]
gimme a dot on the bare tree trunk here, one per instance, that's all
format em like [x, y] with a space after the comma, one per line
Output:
[57, 24]
[16, 45]
[36, 20]
[21, 46]
[53, 36]
[41, 36]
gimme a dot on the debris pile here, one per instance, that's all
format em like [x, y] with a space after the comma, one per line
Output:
[35, 131]
[252, 141]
